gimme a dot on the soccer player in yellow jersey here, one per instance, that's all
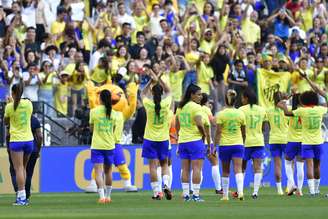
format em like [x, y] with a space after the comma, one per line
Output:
[278, 124]
[294, 150]
[254, 143]
[191, 149]
[311, 116]
[212, 157]
[103, 122]
[230, 135]
[18, 116]
[157, 102]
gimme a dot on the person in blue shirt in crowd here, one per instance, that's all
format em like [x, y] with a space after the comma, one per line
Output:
[37, 134]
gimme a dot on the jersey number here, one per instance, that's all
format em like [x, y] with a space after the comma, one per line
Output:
[314, 122]
[254, 121]
[185, 120]
[232, 126]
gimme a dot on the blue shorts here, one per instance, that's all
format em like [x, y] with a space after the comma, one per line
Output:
[119, 158]
[102, 157]
[169, 156]
[19, 146]
[312, 151]
[226, 153]
[257, 152]
[293, 149]
[155, 149]
[277, 150]
[193, 150]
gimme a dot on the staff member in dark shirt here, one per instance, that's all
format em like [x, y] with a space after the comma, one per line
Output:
[37, 134]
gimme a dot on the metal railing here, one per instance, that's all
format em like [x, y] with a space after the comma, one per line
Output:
[39, 109]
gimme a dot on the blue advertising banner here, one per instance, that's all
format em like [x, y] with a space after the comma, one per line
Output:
[68, 169]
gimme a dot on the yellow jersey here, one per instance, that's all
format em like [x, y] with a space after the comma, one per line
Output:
[205, 74]
[207, 116]
[118, 132]
[176, 79]
[58, 28]
[311, 123]
[278, 126]
[231, 120]
[157, 127]
[188, 129]
[20, 121]
[103, 137]
[294, 129]
[255, 116]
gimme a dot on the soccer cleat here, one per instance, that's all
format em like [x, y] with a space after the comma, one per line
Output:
[196, 198]
[234, 194]
[167, 192]
[286, 190]
[224, 198]
[108, 200]
[317, 193]
[280, 192]
[254, 196]
[191, 192]
[219, 192]
[186, 198]
[21, 202]
[291, 191]
[102, 201]
[299, 193]
[131, 189]
[159, 196]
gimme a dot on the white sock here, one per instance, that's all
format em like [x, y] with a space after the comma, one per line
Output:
[101, 193]
[279, 187]
[316, 186]
[21, 194]
[290, 173]
[166, 179]
[311, 186]
[225, 186]
[108, 191]
[171, 177]
[127, 183]
[216, 177]
[201, 177]
[240, 183]
[154, 187]
[196, 189]
[185, 189]
[300, 175]
[257, 182]
[159, 176]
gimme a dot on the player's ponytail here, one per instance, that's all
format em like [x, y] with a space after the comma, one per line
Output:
[204, 99]
[106, 99]
[231, 97]
[17, 91]
[251, 96]
[157, 91]
[192, 89]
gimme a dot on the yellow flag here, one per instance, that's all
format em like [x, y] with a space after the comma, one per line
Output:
[269, 82]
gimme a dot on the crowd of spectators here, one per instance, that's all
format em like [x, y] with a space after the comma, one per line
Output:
[58, 47]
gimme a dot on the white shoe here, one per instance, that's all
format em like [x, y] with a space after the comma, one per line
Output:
[92, 187]
[131, 189]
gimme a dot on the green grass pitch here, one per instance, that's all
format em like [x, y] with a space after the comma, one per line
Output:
[140, 205]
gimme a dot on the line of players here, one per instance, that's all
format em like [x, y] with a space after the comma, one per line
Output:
[239, 137]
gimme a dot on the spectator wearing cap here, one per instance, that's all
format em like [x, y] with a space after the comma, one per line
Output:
[32, 82]
[61, 92]
[58, 26]
[52, 56]
[123, 17]
[207, 43]
[47, 76]
[102, 45]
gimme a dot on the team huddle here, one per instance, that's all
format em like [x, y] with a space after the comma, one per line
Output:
[295, 136]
